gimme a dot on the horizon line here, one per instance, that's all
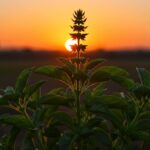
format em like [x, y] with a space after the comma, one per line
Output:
[27, 48]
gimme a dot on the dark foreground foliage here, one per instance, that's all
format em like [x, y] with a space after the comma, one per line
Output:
[81, 116]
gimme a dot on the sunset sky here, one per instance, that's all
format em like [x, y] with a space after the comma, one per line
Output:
[46, 23]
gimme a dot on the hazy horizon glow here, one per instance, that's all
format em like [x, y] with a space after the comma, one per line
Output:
[46, 23]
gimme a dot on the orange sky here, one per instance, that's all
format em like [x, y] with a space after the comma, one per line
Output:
[46, 23]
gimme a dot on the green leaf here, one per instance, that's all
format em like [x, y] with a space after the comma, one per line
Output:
[114, 71]
[93, 63]
[42, 115]
[53, 99]
[9, 95]
[22, 80]
[112, 101]
[99, 89]
[57, 91]
[67, 73]
[116, 120]
[33, 88]
[80, 75]
[18, 121]
[123, 81]
[81, 60]
[94, 122]
[50, 71]
[52, 131]
[64, 118]
[102, 136]
[27, 143]
[144, 76]
[145, 114]
[106, 73]
[143, 136]
[13, 135]
[65, 142]
[6, 99]
[104, 111]
[36, 95]
[38, 116]
[8, 141]
[143, 124]
[141, 91]
[34, 100]
[83, 132]
[118, 113]
[131, 110]
[9, 90]
[68, 64]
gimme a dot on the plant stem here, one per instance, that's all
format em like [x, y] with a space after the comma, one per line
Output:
[142, 145]
[78, 85]
[41, 144]
[78, 106]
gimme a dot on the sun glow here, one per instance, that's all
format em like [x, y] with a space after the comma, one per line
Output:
[69, 43]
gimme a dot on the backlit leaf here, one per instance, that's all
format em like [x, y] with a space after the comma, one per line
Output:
[106, 73]
[27, 143]
[144, 76]
[50, 71]
[19, 121]
[65, 142]
[53, 99]
[141, 91]
[93, 63]
[102, 136]
[22, 80]
[33, 88]
[140, 135]
[63, 117]
[123, 81]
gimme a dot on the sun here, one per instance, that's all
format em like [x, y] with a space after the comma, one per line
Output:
[69, 43]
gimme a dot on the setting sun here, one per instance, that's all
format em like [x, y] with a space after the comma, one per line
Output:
[69, 43]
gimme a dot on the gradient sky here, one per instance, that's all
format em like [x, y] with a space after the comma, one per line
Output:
[46, 23]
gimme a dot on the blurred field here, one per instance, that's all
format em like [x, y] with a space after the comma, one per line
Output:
[12, 64]
[9, 71]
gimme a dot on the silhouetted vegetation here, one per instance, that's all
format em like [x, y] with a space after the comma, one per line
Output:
[80, 114]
